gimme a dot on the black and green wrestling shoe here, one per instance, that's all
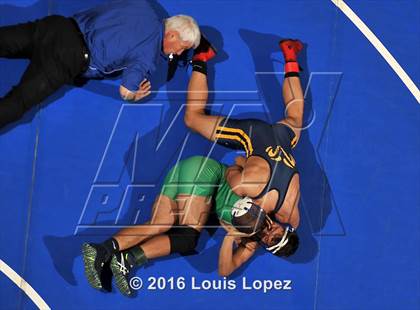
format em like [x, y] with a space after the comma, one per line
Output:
[121, 268]
[95, 257]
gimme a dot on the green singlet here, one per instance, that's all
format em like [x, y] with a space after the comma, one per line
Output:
[201, 176]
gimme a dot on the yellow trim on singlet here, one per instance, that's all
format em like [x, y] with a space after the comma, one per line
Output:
[241, 133]
[293, 142]
[233, 137]
[272, 153]
[286, 162]
[289, 158]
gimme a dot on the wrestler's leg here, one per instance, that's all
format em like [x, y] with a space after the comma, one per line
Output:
[180, 198]
[293, 100]
[182, 238]
[181, 179]
[163, 217]
[193, 213]
[157, 246]
[292, 89]
[195, 116]
[95, 256]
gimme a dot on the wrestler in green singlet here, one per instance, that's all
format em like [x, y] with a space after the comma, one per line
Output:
[201, 176]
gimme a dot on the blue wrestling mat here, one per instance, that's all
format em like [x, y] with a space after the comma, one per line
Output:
[85, 164]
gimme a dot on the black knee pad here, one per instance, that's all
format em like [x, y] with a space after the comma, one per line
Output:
[183, 239]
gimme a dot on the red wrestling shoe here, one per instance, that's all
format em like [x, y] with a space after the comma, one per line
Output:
[204, 51]
[290, 49]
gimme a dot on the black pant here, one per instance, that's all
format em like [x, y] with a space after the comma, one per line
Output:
[57, 54]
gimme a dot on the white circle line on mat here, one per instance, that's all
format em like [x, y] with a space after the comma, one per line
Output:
[379, 47]
[23, 285]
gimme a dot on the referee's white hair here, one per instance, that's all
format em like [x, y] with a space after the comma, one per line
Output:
[187, 28]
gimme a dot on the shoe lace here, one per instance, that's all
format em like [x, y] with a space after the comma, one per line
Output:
[121, 264]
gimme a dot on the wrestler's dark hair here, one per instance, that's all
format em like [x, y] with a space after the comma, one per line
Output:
[291, 246]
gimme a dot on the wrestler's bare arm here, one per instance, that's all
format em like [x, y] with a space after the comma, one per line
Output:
[294, 103]
[230, 259]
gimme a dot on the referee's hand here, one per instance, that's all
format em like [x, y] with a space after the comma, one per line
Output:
[144, 91]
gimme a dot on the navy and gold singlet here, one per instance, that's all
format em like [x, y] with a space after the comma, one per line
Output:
[273, 143]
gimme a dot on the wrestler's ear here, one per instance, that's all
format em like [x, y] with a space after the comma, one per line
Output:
[171, 35]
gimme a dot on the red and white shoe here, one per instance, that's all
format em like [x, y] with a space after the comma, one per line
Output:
[204, 51]
[290, 49]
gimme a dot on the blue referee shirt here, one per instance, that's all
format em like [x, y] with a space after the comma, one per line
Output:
[124, 35]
